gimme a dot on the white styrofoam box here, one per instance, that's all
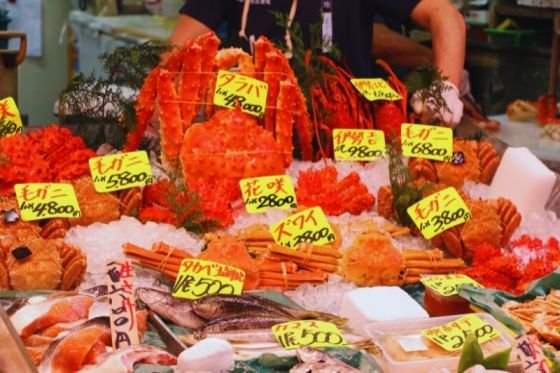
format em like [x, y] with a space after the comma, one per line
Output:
[379, 303]
[477, 17]
[524, 179]
[540, 3]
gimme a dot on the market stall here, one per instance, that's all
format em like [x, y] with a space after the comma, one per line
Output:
[378, 244]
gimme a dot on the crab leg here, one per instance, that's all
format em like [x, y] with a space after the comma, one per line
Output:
[209, 43]
[171, 127]
[189, 81]
[272, 75]
[285, 108]
[262, 47]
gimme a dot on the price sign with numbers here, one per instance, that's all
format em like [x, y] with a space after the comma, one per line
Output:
[451, 336]
[448, 285]
[358, 145]
[197, 278]
[313, 333]
[120, 171]
[309, 226]
[269, 192]
[235, 89]
[375, 89]
[10, 120]
[430, 142]
[47, 200]
[439, 211]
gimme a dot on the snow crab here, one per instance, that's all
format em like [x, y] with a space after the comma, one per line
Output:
[184, 84]
[472, 160]
[28, 263]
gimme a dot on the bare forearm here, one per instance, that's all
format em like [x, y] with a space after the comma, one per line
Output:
[447, 26]
[397, 49]
[187, 28]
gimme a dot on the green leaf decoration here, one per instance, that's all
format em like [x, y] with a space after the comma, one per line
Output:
[471, 354]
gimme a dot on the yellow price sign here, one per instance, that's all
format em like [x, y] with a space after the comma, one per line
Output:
[358, 145]
[269, 192]
[430, 142]
[313, 333]
[451, 336]
[309, 226]
[438, 212]
[10, 120]
[375, 89]
[235, 89]
[448, 285]
[198, 278]
[47, 200]
[120, 171]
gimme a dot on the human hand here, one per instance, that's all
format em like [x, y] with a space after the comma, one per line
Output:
[429, 111]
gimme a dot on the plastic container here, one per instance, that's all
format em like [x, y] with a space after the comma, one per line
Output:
[440, 305]
[393, 337]
[512, 38]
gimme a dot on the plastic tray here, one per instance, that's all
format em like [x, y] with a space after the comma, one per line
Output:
[512, 38]
[385, 333]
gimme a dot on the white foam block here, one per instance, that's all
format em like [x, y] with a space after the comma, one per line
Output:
[208, 355]
[379, 303]
[524, 179]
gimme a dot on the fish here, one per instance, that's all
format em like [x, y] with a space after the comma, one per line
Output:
[38, 313]
[217, 306]
[123, 360]
[80, 346]
[179, 311]
[239, 322]
[313, 360]
[262, 335]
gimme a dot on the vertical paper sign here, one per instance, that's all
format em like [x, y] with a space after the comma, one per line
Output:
[235, 89]
[10, 120]
[120, 171]
[310, 226]
[269, 192]
[122, 308]
[439, 212]
[197, 278]
[47, 200]
[312, 333]
[451, 336]
[358, 145]
[375, 89]
[430, 142]
[530, 352]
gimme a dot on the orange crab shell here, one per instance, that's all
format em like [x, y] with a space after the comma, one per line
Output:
[233, 145]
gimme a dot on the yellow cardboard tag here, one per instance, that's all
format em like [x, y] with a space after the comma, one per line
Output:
[438, 212]
[448, 285]
[10, 120]
[47, 200]
[197, 278]
[233, 89]
[309, 226]
[430, 142]
[451, 336]
[313, 333]
[124, 323]
[358, 145]
[269, 192]
[120, 171]
[375, 89]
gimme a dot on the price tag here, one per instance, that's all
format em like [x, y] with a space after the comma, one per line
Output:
[451, 336]
[313, 333]
[10, 120]
[269, 192]
[530, 352]
[310, 226]
[120, 171]
[47, 200]
[358, 145]
[439, 212]
[233, 89]
[448, 285]
[375, 89]
[124, 325]
[430, 142]
[197, 278]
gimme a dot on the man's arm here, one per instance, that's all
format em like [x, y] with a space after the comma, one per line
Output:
[448, 30]
[187, 28]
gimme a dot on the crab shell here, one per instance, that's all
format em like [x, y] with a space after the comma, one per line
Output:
[49, 265]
